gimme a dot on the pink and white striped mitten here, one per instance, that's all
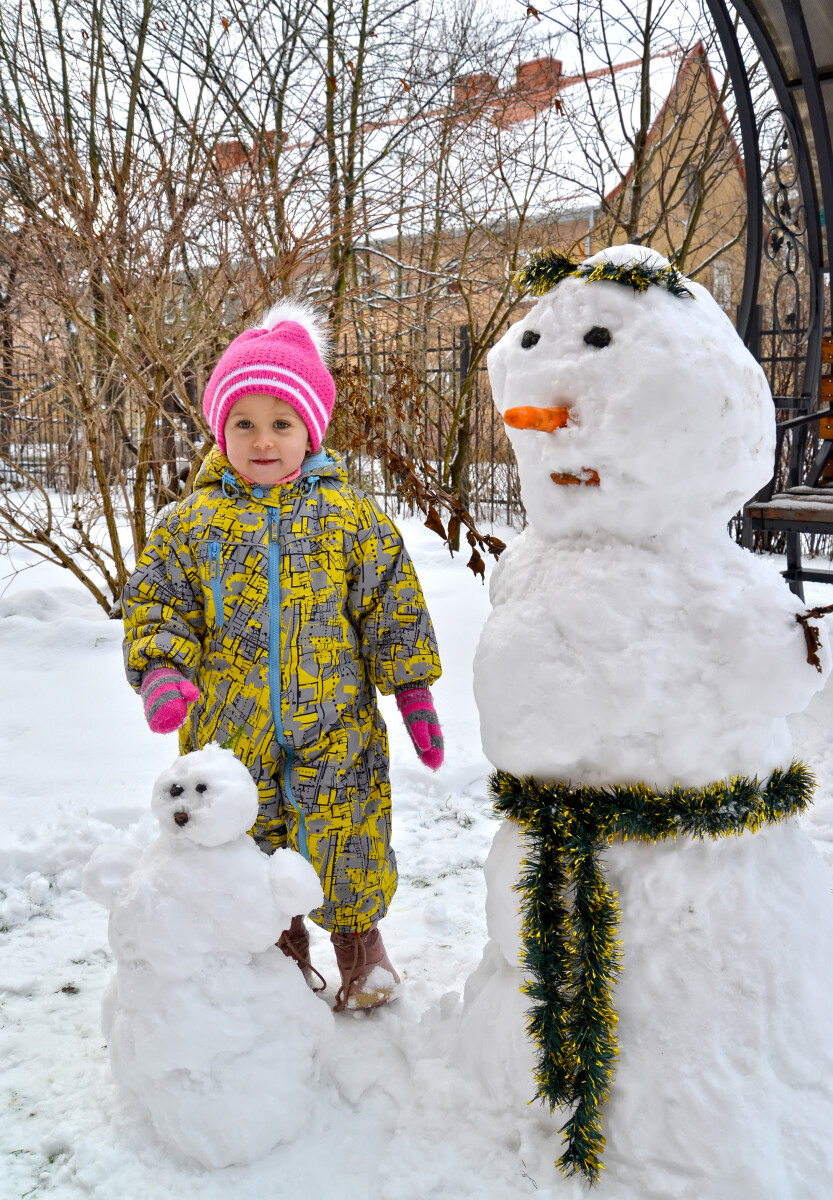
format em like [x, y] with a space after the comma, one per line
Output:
[166, 695]
[422, 723]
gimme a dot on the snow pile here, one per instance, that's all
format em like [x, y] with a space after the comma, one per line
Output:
[673, 413]
[397, 1116]
[723, 1084]
[812, 732]
[632, 640]
[605, 662]
[211, 1029]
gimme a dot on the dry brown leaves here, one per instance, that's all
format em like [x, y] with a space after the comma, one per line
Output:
[390, 428]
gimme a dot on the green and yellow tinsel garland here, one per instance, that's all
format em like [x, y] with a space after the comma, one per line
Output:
[570, 917]
[546, 268]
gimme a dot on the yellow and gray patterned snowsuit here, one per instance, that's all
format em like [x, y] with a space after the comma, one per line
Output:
[288, 607]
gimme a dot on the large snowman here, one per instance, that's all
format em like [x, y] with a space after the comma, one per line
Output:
[632, 642]
[211, 1030]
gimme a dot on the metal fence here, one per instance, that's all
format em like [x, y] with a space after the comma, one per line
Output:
[490, 485]
[40, 441]
[37, 437]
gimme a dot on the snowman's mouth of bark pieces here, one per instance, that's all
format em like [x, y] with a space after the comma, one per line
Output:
[544, 420]
[586, 476]
[181, 818]
[547, 420]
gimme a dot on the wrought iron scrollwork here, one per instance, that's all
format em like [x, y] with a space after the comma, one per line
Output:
[786, 240]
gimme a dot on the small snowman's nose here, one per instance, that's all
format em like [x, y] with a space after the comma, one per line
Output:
[181, 818]
[545, 420]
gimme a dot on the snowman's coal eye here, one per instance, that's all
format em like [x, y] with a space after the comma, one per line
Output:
[176, 790]
[530, 339]
[598, 336]
[201, 787]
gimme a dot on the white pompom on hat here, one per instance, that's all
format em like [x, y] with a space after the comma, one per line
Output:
[284, 357]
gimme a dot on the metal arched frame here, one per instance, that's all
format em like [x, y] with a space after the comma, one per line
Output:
[752, 159]
[813, 232]
[752, 166]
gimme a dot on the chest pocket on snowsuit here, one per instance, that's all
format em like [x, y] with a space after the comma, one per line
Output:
[324, 632]
[213, 556]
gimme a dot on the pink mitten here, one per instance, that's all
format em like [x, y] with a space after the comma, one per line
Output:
[422, 723]
[166, 695]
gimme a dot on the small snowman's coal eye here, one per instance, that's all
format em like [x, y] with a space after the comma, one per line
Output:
[598, 336]
[201, 787]
[176, 790]
[530, 339]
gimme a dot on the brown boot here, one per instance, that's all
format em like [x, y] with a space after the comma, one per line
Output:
[367, 977]
[294, 942]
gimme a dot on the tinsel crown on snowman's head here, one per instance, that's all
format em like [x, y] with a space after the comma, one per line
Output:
[546, 268]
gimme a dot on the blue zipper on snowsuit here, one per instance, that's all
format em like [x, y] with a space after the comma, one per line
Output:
[274, 585]
[230, 489]
[216, 582]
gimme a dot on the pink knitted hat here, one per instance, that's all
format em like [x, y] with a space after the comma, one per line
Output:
[283, 358]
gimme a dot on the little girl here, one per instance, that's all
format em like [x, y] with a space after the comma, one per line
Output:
[275, 600]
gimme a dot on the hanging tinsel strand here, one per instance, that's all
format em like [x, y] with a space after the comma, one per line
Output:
[570, 950]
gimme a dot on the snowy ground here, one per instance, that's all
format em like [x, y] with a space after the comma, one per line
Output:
[397, 1118]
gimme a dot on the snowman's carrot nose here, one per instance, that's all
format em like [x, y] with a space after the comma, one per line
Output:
[545, 420]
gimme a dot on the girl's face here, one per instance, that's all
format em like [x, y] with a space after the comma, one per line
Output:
[266, 439]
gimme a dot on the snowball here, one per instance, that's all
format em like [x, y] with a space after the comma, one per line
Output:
[107, 871]
[674, 415]
[631, 639]
[212, 1032]
[724, 1083]
[620, 663]
[295, 886]
[188, 789]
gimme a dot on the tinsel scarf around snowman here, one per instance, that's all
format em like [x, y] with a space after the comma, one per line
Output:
[570, 917]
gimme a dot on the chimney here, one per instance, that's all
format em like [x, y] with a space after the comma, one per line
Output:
[479, 86]
[540, 75]
[229, 155]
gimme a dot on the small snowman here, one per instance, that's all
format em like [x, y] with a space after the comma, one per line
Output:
[211, 1030]
[639, 661]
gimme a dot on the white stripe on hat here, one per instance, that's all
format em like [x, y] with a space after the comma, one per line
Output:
[265, 367]
[222, 391]
[287, 389]
[319, 423]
